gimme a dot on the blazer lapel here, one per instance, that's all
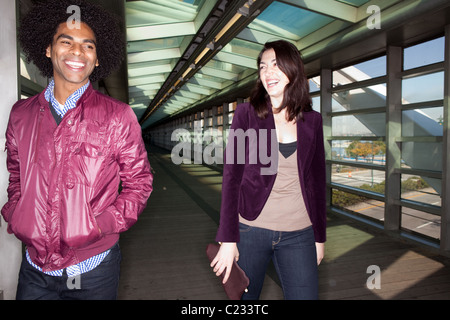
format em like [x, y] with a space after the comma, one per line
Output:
[305, 144]
[268, 124]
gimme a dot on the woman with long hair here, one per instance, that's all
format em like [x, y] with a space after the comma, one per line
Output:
[278, 215]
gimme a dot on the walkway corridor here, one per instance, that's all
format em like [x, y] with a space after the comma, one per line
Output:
[164, 253]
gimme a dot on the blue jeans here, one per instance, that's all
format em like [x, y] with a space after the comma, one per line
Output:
[101, 283]
[294, 257]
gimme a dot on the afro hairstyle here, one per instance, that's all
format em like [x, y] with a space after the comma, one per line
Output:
[38, 27]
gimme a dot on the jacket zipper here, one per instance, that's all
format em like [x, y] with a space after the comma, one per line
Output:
[38, 136]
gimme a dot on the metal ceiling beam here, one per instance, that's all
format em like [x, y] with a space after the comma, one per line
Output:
[182, 99]
[237, 60]
[140, 88]
[206, 83]
[145, 80]
[227, 75]
[256, 36]
[188, 94]
[160, 31]
[142, 94]
[139, 72]
[153, 55]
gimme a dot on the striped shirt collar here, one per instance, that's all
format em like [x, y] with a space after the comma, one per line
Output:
[71, 101]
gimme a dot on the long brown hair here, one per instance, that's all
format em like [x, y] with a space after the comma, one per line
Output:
[296, 94]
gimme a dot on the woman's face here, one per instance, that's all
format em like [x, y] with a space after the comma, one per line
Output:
[272, 78]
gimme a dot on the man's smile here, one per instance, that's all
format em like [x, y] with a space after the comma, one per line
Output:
[75, 65]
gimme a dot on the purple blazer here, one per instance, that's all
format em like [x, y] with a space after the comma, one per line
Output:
[246, 186]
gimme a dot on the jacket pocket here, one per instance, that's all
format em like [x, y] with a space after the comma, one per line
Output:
[87, 154]
[78, 225]
[22, 223]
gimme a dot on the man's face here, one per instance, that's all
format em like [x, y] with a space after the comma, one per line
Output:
[74, 55]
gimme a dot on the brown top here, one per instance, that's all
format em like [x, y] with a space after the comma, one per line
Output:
[284, 209]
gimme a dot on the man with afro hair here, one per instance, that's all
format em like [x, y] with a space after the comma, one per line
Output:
[69, 149]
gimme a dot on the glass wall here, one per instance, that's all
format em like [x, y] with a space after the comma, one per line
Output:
[422, 132]
[358, 139]
[358, 129]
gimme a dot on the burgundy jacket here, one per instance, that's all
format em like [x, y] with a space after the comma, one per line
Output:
[63, 193]
[245, 189]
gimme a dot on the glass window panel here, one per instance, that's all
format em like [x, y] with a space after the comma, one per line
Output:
[423, 88]
[335, 105]
[366, 179]
[358, 204]
[230, 118]
[371, 124]
[422, 155]
[423, 54]
[316, 103]
[359, 151]
[423, 122]
[360, 98]
[421, 189]
[314, 86]
[338, 149]
[288, 21]
[359, 72]
[421, 222]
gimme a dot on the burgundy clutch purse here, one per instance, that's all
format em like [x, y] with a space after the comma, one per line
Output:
[237, 282]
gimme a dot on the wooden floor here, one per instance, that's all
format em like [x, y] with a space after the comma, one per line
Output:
[164, 253]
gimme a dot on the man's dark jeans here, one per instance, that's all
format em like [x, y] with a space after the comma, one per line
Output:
[100, 283]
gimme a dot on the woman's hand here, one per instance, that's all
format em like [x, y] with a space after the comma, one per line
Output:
[320, 250]
[223, 261]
